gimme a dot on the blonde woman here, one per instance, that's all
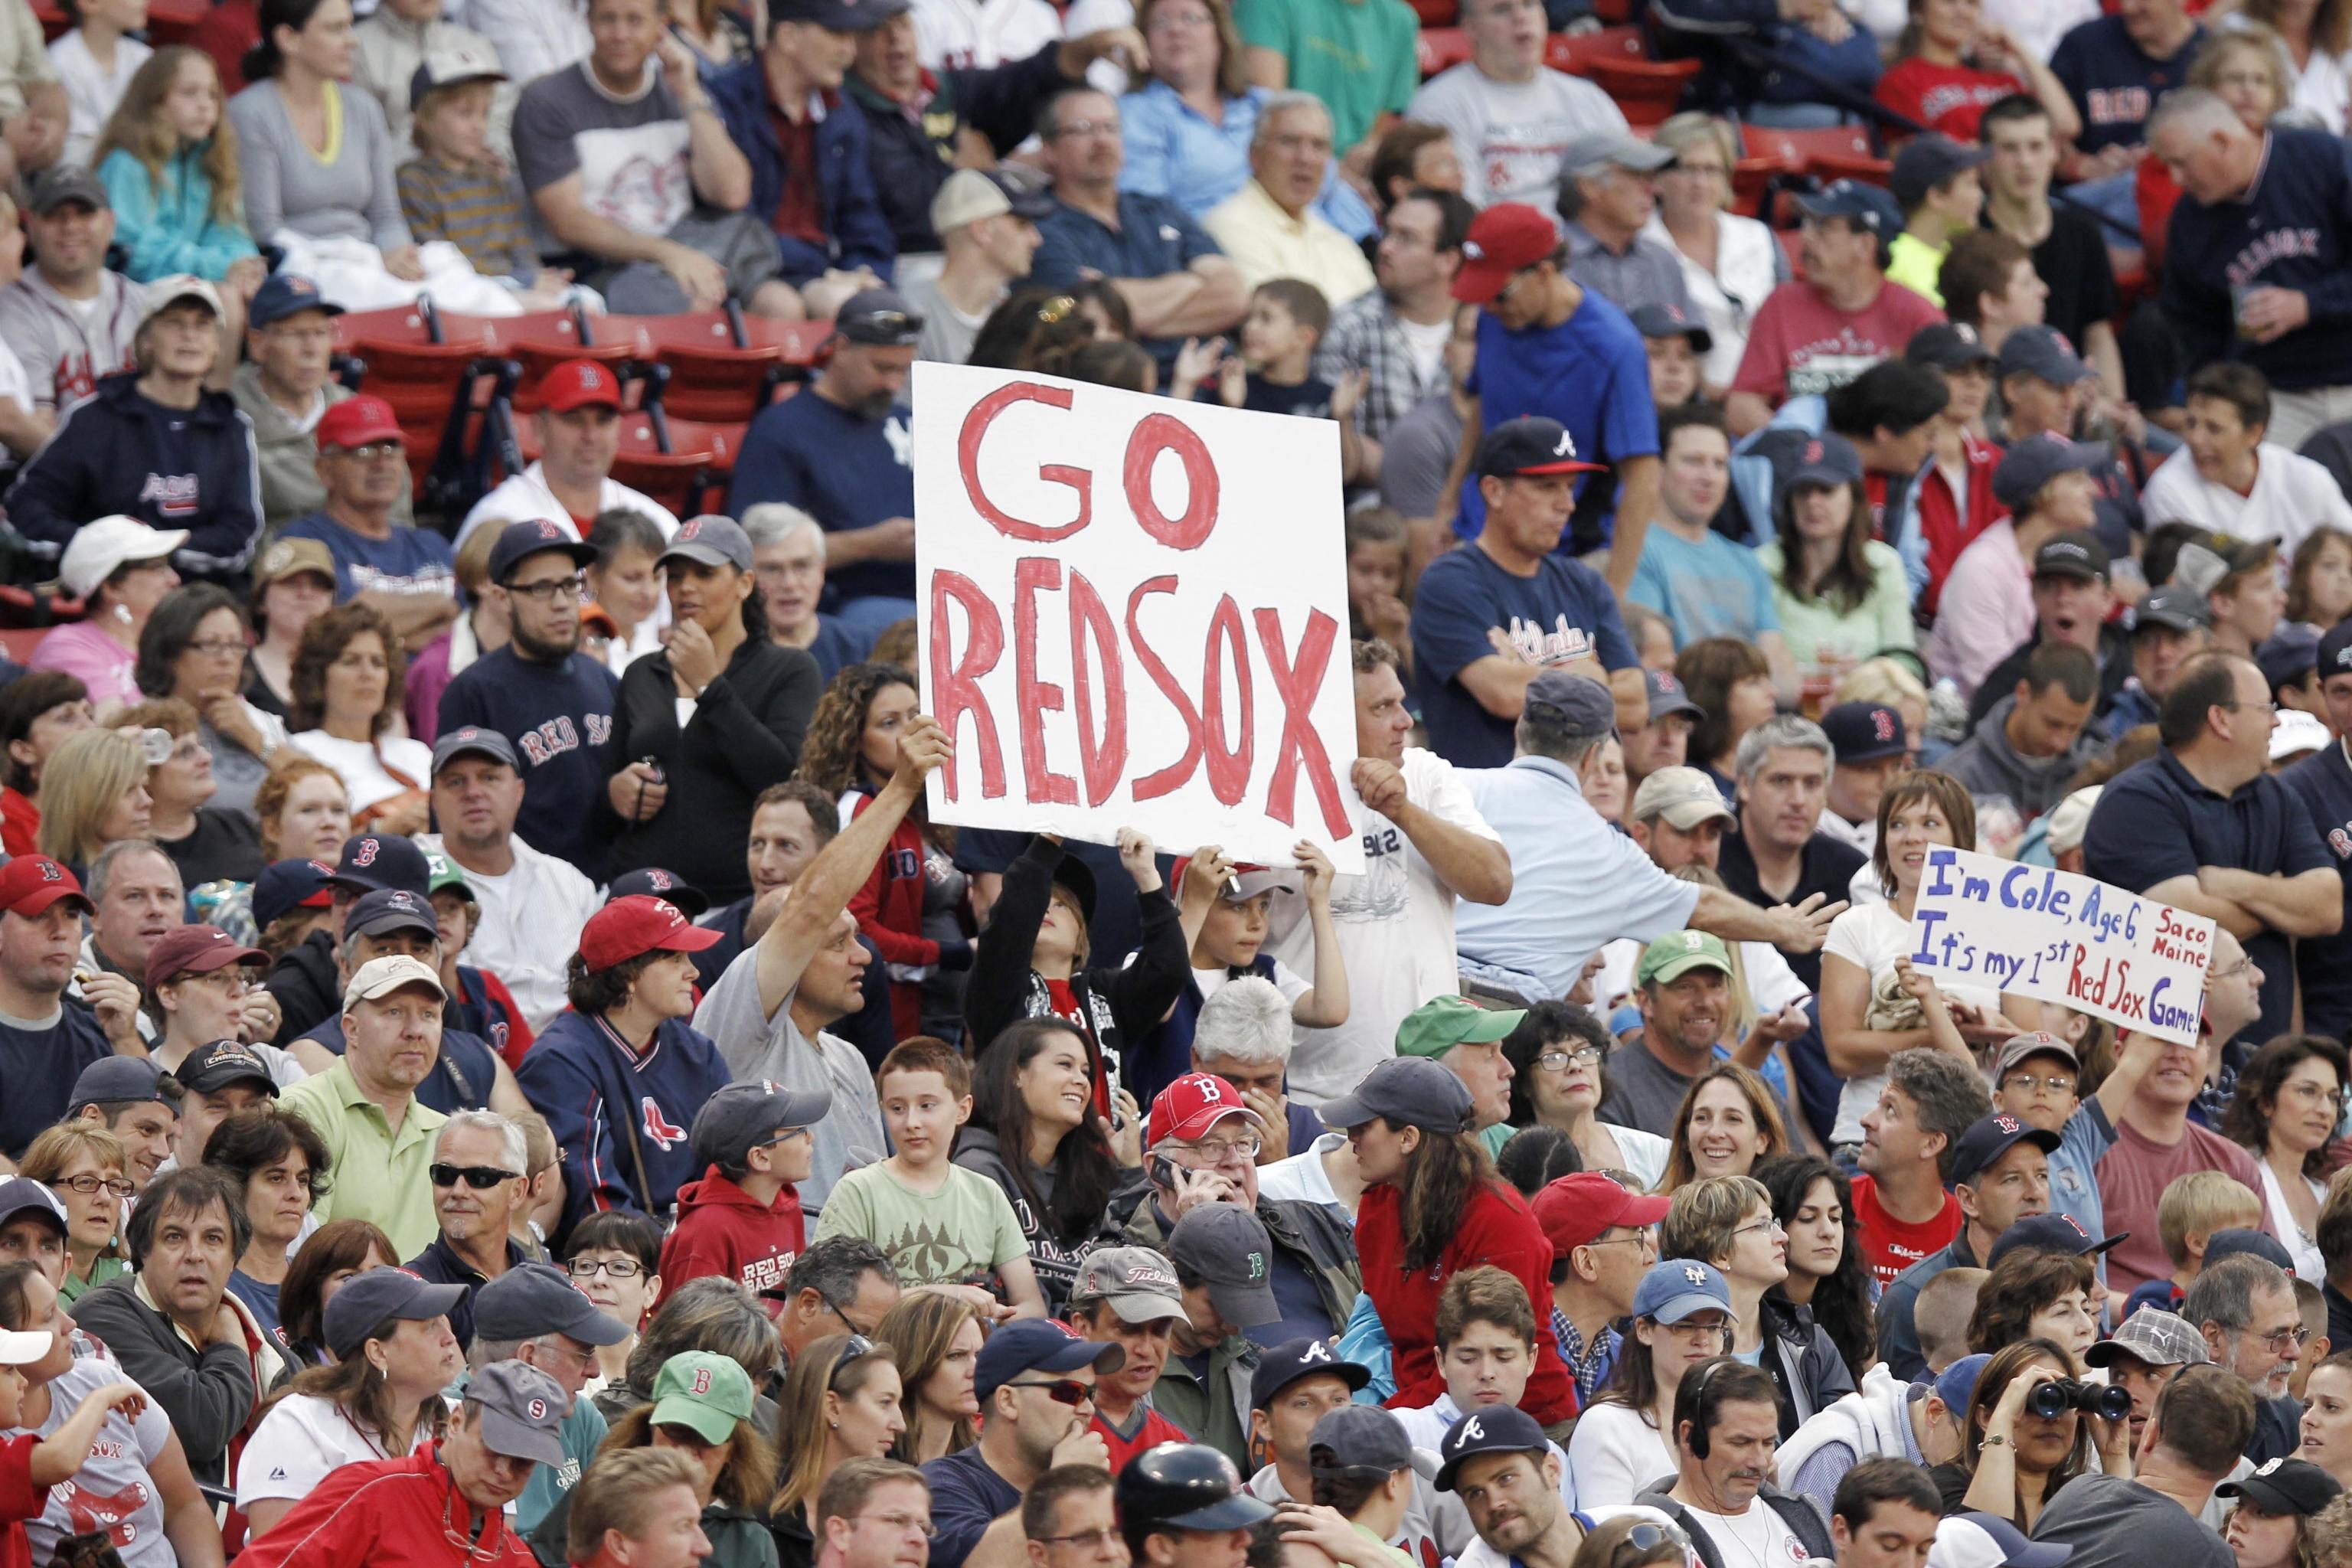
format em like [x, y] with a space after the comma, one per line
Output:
[1729, 263]
[88, 1169]
[94, 792]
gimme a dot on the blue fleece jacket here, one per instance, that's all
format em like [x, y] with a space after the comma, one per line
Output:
[166, 224]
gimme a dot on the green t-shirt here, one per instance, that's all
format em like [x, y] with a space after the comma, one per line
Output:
[1360, 57]
[1916, 265]
[964, 1230]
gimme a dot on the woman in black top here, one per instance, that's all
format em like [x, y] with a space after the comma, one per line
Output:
[2012, 1461]
[683, 787]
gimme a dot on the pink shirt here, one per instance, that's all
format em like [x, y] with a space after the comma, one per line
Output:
[1986, 609]
[83, 648]
[1800, 344]
[2133, 1176]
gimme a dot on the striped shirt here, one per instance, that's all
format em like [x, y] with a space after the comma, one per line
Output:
[478, 208]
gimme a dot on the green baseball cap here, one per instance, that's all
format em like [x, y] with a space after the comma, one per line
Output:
[704, 1390]
[1442, 1023]
[442, 876]
[1678, 952]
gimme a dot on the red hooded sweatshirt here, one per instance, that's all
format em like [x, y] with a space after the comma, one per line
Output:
[722, 1229]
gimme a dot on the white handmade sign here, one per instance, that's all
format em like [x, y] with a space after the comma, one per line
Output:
[2051, 934]
[1133, 612]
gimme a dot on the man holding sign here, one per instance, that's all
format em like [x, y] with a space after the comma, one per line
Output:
[2203, 826]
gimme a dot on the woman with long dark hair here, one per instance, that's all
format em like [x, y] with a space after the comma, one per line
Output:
[380, 1399]
[721, 710]
[278, 1162]
[2288, 1104]
[1433, 1206]
[1828, 1275]
[337, 1253]
[1727, 1120]
[1842, 594]
[1035, 1132]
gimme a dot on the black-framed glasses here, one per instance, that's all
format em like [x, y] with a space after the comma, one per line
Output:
[546, 592]
[481, 1178]
[835, 1308]
[1560, 1060]
[89, 1183]
[1062, 1390]
[858, 1345]
[588, 1267]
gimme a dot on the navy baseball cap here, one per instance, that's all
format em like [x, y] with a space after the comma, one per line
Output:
[1667, 695]
[1990, 1137]
[388, 909]
[21, 1194]
[1828, 458]
[117, 1080]
[654, 882]
[371, 861]
[1584, 705]
[1949, 345]
[1867, 207]
[284, 294]
[519, 541]
[2051, 1232]
[213, 1068]
[2237, 1241]
[1286, 1363]
[1497, 1429]
[1864, 733]
[289, 885]
[1928, 160]
[1038, 1344]
[535, 1299]
[2334, 649]
[1659, 320]
[2038, 459]
[472, 741]
[2043, 352]
[1519, 448]
[2290, 653]
[367, 1300]
[1956, 1383]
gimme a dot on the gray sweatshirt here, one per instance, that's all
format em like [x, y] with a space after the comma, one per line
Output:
[287, 186]
[1990, 765]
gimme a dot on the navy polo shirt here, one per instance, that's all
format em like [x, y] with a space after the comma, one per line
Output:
[967, 1497]
[844, 469]
[2155, 822]
[440, 1265]
[2114, 85]
[1592, 373]
[2323, 782]
[1154, 237]
[1826, 868]
[1564, 612]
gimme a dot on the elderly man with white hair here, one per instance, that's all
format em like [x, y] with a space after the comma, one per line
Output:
[1269, 228]
[1243, 1036]
[788, 561]
[480, 1172]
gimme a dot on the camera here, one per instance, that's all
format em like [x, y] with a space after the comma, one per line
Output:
[2053, 1397]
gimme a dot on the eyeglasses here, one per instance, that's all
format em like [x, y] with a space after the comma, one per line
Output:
[1070, 128]
[1091, 1540]
[786, 1136]
[481, 1178]
[835, 1308]
[906, 1521]
[545, 591]
[2281, 1341]
[374, 451]
[1062, 1390]
[2332, 1097]
[217, 647]
[86, 1183]
[2025, 1082]
[1648, 1538]
[1217, 1151]
[2232, 972]
[1772, 1226]
[1581, 1056]
[1696, 1333]
[616, 1267]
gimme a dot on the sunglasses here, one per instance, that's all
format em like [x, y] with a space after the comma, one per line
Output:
[481, 1178]
[1062, 1390]
[858, 1345]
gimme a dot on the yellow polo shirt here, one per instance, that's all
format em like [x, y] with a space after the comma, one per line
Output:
[377, 1176]
[1265, 243]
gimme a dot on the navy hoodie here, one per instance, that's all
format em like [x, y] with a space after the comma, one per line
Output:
[2292, 230]
[111, 453]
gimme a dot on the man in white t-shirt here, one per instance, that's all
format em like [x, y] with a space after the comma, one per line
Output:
[2228, 478]
[1727, 1426]
[1511, 115]
[987, 224]
[1424, 844]
[961, 34]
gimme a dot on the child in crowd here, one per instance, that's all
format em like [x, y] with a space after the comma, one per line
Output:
[1272, 374]
[1376, 543]
[95, 61]
[1224, 913]
[168, 160]
[743, 1220]
[2193, 1211]
[31, 1464]
[939, 1224]
[2319, 582]
[2311, 1304]
[1653, 637]
[457, 189]
[1934, 180]
[1677, 347]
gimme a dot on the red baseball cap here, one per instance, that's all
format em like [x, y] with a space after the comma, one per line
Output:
[1574, 1210]
[31, 883]
[1195, 1103]
[197, 949]
[1502, 240]
[579, 383]
[627, 927]
[358, 421]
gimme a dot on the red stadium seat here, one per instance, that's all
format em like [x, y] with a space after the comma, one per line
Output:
[175, 21]
[18, 642]
[1435, 13]
[1803, 150]
[1441, 47]
[712, 376]
[1577, 53]
[1647, 91]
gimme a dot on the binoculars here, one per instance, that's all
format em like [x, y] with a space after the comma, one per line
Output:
[2054, 1397]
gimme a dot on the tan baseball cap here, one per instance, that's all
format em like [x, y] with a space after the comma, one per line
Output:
[1683, 797]
[381, 977]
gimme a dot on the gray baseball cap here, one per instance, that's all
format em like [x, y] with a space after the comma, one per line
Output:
[711, 540]
[523, 1411]
[472, 741]
[745, 1116]
[1582, 703]
[1357, 1440]
[1138, 1284]
[1611, 149]
[1413, 1091]
[534, 1299]
[2154, 1336]
[1228, 1247]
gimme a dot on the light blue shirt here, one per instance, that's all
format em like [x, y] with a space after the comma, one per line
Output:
[1577, 883]
[1711, 589]
[1174, 151]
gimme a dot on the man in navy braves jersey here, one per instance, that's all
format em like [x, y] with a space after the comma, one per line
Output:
[2260, 259]
[540, 692]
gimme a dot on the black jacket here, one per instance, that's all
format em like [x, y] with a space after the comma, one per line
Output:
[1794, 1511]
[210, 1396]
[1115, 1003]
[912, 148]
[745, 735]
[109, 456]
[1804, 1361]
[308, 985]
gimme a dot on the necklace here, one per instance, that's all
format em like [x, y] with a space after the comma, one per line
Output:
[1734, 1528]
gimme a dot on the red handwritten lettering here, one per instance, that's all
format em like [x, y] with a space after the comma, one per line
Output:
[1296, 680]
[1101, 758]
[1155, 434]
[1168, 780]
[1035, 697]
[1229, 770]
[975, 427]
[955, 683]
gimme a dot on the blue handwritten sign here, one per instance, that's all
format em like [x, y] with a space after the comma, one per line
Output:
[2035, 931]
